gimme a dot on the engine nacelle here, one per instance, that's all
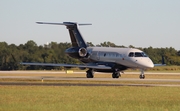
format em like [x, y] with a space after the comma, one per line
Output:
[82, 52]
[77, 52]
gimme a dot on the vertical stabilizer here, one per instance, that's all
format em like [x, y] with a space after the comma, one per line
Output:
[76, 37]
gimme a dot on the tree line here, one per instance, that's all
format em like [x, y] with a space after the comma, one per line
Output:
[11, 55]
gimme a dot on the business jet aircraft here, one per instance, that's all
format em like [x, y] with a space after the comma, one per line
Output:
[101, 59]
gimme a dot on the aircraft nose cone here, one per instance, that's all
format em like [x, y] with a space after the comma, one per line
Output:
[145, 63]
[149, 64]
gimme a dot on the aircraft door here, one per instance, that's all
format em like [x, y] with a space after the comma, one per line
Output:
[98, 55]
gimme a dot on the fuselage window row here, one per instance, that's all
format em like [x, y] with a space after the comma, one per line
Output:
[105, 54]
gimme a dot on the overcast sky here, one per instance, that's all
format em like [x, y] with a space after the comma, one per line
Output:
[141, 23]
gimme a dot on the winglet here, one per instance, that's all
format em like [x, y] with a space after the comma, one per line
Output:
[163, 62]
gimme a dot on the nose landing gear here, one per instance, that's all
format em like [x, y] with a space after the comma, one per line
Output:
[142, 76]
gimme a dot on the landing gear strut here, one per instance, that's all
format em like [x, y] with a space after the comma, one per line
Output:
[116, 74]
[90, 73]
[142, 76]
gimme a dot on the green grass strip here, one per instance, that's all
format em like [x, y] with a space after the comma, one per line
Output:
[80, 98]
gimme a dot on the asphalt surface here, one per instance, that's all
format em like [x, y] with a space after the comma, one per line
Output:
[44, 78]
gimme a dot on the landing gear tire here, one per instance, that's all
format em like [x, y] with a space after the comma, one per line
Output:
[142, 76]
[116, 75]
[90, 73]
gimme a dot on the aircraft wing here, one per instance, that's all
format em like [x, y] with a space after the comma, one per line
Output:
[162, 64]
[159, 64]
[93, 66]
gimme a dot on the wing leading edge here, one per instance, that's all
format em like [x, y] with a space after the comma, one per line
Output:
[93, 66]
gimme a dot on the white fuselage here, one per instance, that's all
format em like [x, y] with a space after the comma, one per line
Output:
[129, 57]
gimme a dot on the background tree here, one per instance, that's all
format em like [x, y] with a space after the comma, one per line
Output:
[11, 55]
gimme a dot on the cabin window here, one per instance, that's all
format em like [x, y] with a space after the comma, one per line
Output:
[131, 54]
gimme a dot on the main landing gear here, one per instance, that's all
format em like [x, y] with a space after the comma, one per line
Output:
[116, 74]
[90, 73]
[142, 76]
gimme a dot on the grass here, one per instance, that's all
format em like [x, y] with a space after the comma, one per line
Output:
[89, 98]
[79, 98]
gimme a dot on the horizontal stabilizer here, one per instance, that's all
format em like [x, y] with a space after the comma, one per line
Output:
[64, 23]
[84, 24]
[50, 23]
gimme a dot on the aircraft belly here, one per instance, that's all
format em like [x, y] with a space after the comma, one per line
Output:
[104, 70]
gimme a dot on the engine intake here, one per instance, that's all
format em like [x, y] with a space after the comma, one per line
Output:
[77, 52]
[82, 52]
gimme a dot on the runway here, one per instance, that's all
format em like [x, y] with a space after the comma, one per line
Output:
[63, 72]
[82, 84]
[85, 81]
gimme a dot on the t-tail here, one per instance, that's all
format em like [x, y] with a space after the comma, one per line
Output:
[79, 46]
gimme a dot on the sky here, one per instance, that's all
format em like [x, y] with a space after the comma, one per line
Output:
[141, 23]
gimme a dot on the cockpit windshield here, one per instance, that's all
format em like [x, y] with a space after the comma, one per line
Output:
[144, 54]
[137, 54]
